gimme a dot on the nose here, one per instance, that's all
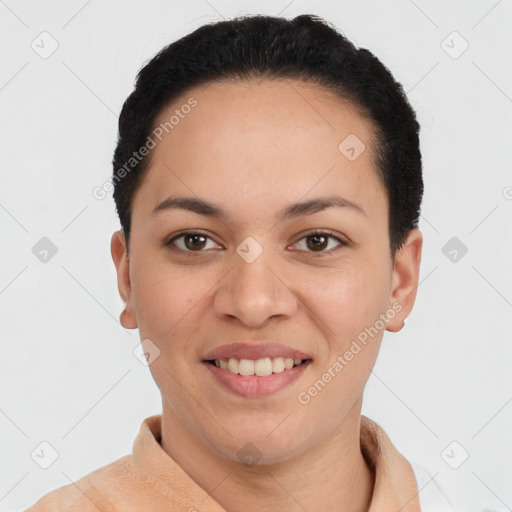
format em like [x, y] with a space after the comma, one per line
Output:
[252, 293]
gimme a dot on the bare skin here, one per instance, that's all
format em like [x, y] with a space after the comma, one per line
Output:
[252, 149]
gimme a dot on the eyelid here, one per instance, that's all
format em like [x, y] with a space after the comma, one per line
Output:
[329, 233]
[325, 231]
[168, 242]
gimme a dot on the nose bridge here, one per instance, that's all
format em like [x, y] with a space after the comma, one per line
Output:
[253, 291]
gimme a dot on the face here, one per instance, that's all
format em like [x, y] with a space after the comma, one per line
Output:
[289, 260]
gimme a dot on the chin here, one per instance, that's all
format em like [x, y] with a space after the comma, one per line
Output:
[255, 447]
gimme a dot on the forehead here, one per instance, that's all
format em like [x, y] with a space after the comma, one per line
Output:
[261, 138]
[290, 110]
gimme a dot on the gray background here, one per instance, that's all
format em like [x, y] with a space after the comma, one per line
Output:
[68, 374]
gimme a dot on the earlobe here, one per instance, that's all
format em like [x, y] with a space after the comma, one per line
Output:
[120, 258]
[405, 279]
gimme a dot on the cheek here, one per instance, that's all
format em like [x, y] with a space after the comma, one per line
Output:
[168, 305]
[349, 299]
[166, 300]
[345, 305]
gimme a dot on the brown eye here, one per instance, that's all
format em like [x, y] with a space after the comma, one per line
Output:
[318, 242]
[194, 242]
[191, 242]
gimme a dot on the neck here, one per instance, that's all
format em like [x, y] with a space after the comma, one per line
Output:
[332, 475]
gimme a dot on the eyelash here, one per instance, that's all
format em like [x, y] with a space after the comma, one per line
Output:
[327, 233]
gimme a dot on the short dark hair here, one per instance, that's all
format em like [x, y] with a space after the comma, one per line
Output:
[306, 48]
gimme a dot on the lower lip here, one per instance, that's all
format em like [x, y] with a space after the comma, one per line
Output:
[253, 386]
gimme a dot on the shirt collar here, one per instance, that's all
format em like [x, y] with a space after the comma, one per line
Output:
[395, 486]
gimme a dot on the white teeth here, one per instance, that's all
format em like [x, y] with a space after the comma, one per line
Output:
[263, 367]
[233, 365]
[288, 363]
[246, 367]
[277, 365]
[260, 367]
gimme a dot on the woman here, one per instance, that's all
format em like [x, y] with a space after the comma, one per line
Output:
[268, 182]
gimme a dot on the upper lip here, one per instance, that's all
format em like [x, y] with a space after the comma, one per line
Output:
[254, 351]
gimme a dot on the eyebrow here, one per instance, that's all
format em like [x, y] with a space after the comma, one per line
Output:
[203, 207]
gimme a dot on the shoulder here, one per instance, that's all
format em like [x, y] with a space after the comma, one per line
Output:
[88, 493]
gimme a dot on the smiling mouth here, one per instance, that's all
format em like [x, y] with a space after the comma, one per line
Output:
[259, 367]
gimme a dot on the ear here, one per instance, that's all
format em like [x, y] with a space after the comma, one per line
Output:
[406, 271]
[120, 257]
